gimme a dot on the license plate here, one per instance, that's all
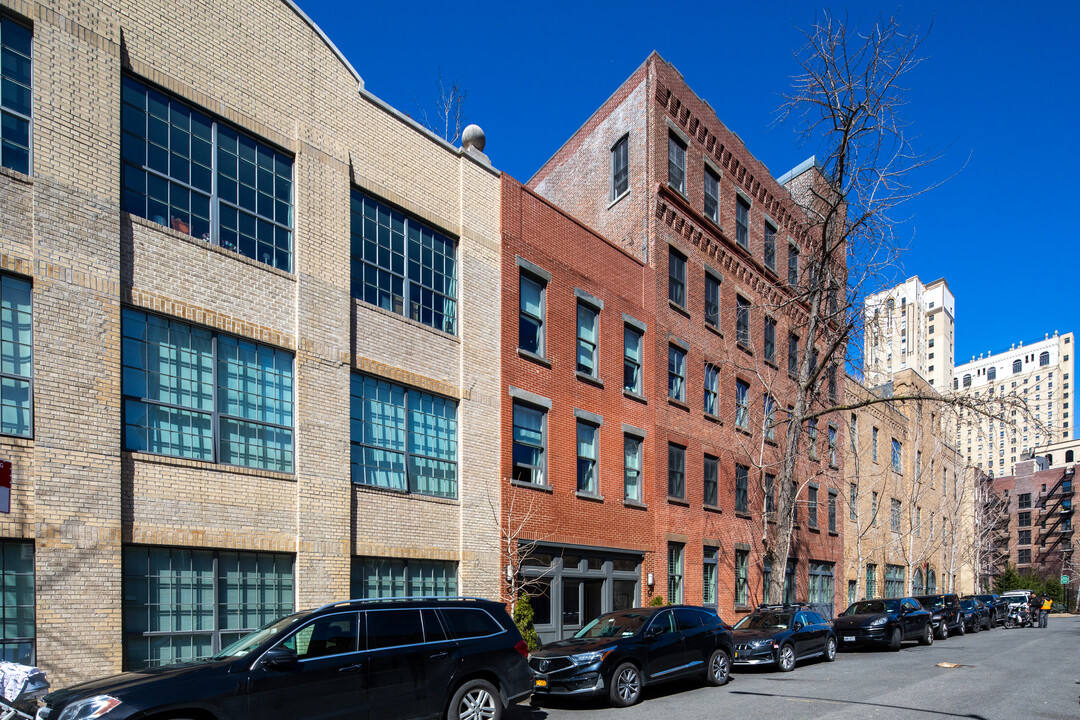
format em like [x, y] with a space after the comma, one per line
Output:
[541, 683]
[849, 638]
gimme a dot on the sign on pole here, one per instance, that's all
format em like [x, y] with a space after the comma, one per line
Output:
[1064, 579]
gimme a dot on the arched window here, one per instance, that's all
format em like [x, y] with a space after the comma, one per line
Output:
[967, 381]
[1017, 366]
[917, 587]
[991, 374]
[1068, 456]
[931, 582]
[1044, 358]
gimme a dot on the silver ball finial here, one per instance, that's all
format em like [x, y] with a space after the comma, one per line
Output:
[473, 137]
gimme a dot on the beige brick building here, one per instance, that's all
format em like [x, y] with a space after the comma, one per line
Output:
[909, 495]
[250, 334]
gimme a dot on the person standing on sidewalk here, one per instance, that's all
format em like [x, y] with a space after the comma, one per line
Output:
[1044, 610]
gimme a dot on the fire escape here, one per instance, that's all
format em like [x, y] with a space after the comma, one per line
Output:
[1055, 517]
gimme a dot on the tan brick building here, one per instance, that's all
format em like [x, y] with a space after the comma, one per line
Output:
[909, 498]
[233, 281]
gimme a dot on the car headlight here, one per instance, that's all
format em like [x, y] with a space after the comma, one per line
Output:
[590, 657]
[762, 643]
[879, 622]
[90, 708]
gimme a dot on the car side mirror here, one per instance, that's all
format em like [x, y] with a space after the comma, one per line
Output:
[797, 627]
[654, 632]
[904, 610]
[279, 658]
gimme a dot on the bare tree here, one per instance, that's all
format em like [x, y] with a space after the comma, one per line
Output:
[449, 111]
[519, 547]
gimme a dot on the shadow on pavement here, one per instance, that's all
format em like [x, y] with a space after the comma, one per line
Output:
[834, 701]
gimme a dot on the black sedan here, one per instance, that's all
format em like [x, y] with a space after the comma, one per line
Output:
[617, 654]
[782, 635]
[976, 614]
[886, 622]
[998, 606]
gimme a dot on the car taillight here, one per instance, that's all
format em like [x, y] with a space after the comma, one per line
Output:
[523, 649]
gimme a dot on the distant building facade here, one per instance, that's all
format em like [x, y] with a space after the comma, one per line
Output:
[911, 326]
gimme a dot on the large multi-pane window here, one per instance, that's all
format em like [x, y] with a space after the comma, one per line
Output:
[677, 277]
[770, 340]
[894, 522]
[712, 390]
[894, 581]
[742, 405]
[531, 314]
[632, 359]
[821, 587]
[712, 300]
[676, 164]
[379, 577]
[182, 604]
[587, 337]
[742, 489]
[742, 321]
[742, 221]
[676, 373]
[187, 170]
[711, 492]
[675, 572]
[586, 457]
[16, 100]
[194, 393]
[770, 247]
[530, 441]
[896, 455]
[712, 196]
[18, 641]
[632, 467]
[742, 575]
[16, 357]
[402, 265]
[676, 471]
[402, 438]
[871, 581]
[620, 174]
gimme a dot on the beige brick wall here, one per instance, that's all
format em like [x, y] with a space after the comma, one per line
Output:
[80, 497]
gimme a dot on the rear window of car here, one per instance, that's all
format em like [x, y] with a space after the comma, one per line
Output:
[469, 623]
[688, 619]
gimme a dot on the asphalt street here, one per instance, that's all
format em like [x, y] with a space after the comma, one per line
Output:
[1002, 674]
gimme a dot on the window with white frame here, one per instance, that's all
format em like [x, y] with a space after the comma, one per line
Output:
[632, 359]
[742, 221]
[712, 195]
[632, 467]
[742, 405]
[676, 163]
[586, 457]
[588, 333]
[531, 314]
[676, 373]
[530, 444]
[712, 390]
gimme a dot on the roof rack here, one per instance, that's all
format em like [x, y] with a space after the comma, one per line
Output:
[409, 598]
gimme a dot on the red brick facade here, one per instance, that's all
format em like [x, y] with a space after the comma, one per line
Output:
[653, 105]
[1039, 516]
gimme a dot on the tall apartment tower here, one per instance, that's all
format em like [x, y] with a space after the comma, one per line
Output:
[1040, 375]
[911, 326]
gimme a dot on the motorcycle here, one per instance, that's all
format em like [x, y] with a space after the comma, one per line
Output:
[1018, 616]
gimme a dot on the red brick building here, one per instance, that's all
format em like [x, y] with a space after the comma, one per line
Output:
[1040, 512]
[655, 171]
[575, 520]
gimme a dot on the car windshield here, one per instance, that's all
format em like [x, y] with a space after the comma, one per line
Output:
[765, 621]
[617, 624]
[873, 606]
[932, 603]
[251, 641]
[967, 604]
[986, 598]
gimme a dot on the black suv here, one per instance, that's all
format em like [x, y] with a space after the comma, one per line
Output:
[945, 610]
[617, 654]
[886, 622]
[783, 634]
[999, 608]
[403, 658]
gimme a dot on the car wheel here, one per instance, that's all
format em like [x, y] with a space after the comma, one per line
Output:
[993, 621]
[625, 685]
[928, 636]
[975, 626]
[830, 649]
[719, 668]
[475, 700]
[942, 630]
[896, 641]
[786, 661]
[961, 629]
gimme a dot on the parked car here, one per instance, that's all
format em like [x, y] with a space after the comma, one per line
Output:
[887, 622]
[783, 634]
[945, 611]
[976, 614]
[621, 652]
[404, 658]
[999, 607]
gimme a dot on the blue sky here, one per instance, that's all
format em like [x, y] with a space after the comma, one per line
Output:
[998, 94]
